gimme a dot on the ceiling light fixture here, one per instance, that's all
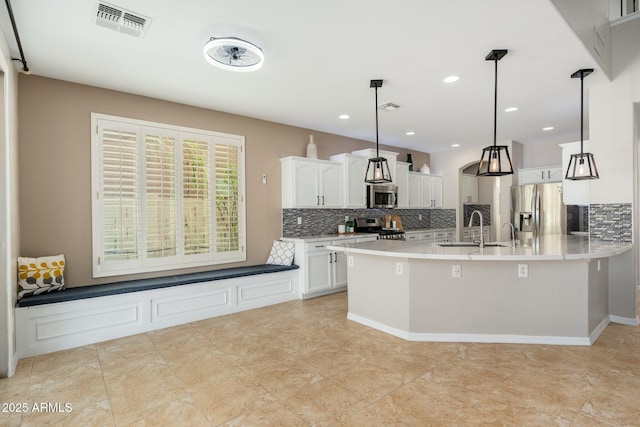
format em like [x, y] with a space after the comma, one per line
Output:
[498, 161]
[579, 169]
[451, 79]
[410, 133]
[510, 109]
[378, 168]
[455, 145]
[233, 54]
[344, 116]
[548, 128]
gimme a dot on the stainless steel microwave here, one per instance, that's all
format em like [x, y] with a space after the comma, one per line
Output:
[382, 196]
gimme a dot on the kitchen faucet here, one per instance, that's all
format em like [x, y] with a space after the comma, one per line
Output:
[513, 233]
[481, 231]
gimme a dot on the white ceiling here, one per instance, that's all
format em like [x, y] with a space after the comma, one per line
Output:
[320, 57]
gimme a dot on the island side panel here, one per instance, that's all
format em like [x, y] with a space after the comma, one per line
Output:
[378, 296]
[489, 299]
[598, 294]
[622, 289]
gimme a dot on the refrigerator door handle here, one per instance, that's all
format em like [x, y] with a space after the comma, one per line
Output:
[537, 212]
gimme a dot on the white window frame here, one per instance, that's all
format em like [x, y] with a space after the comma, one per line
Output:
[143, 264]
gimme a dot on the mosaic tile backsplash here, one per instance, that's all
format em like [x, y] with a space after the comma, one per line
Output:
[484, 209]
[325, 221]
[611, 222]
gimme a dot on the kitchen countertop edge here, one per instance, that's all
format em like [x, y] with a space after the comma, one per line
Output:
[552, 248]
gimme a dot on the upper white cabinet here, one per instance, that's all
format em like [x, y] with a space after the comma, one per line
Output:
[469, 188]
[355, 188]
[402, 181]
[425, 191]
[389, 155]
[574, 192]
[311, 183]
[540, 175]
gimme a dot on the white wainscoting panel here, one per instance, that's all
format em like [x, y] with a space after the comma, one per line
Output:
[51, 327]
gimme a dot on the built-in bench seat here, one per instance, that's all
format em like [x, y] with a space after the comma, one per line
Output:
[90, 314]
[83, 292]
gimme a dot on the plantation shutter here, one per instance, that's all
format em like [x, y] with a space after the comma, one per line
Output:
[229, 200]
[119, 195]
[166, 197]
[160, 193]
[196, 171]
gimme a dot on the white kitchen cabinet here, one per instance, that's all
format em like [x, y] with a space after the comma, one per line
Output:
[412, 236]
[469, 189]
[540, 175]
[469, 234]
[425, 191]
[323, 271]
[402, 181]
[354, 168]
[311, 183]
[326, 270]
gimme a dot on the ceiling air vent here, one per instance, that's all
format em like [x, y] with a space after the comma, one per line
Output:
[122, 20]
[388, 106]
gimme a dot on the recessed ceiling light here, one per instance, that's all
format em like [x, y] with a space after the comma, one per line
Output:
[455, 145]
[344, 116]
[548, 128]
[451, 79]
[511, 109]
[410, 133]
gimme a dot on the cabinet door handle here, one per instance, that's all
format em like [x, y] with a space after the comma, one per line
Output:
[335, 257]
[317, 200]
[542, 175]
[549, 174]
[330, 258]
[322, 200]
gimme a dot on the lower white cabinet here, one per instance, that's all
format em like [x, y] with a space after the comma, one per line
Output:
[469, 234]
[323, 271]
[440, 235]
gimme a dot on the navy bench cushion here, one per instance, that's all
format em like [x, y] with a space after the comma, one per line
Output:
[82, 292]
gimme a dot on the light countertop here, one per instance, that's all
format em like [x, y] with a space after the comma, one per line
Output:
[335, 236]
[555, 247]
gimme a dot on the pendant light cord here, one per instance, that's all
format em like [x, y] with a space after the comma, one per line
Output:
[581, 112]
[376, 107]
[22, 59]
[495, 105]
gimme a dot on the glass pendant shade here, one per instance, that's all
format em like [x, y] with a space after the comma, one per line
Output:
[495, 161]
[378, 171]
[582, 166]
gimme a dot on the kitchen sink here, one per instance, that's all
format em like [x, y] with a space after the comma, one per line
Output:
[468, 244]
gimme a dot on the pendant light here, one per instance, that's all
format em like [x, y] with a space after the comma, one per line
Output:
[378, 168]
[583, 165]
[495, 160]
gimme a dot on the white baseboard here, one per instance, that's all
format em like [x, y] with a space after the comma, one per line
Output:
[625, 320]
[474, 338]
[52, 327]
[598, 329]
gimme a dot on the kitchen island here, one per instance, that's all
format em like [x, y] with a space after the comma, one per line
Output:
[553, 290]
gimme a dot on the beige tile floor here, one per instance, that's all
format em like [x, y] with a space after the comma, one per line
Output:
[302, 363]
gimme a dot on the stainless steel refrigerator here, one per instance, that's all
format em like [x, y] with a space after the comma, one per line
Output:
[538, 210]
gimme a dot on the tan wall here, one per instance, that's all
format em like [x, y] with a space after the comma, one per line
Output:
[55, 166]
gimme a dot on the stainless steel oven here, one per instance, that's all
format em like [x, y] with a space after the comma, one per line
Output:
[382, 196]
